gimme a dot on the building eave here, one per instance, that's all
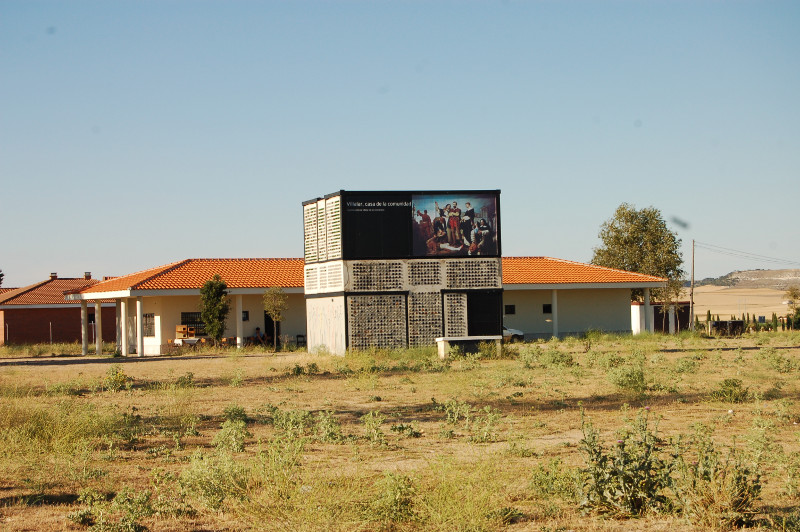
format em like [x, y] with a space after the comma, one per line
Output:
[172, 293]
[580, 286]
[50, 306]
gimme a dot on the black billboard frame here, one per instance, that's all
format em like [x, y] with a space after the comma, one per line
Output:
[350, 238]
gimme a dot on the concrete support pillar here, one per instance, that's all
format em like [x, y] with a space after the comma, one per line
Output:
[98, 327]
[118, 323]
[139, 327]
[672, 319]
[554, 304]
[84, 328]
[239, 325]
[123, 319]
[648, 311]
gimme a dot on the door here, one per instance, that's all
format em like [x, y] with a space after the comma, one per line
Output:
[269, 330]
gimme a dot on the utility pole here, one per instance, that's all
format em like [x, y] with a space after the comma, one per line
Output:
[691, 292]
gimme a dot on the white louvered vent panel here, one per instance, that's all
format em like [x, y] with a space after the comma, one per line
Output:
[333, 215]
[424, 317]
[376, 321]
[310, 231]
[323, 277]
[322, 233]
[311, 279]
[473, 273]
[377, 276]
[335, 278]
[455, 314]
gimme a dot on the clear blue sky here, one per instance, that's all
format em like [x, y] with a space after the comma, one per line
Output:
[133, 134]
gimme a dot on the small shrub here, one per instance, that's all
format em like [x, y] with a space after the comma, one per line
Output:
[122, 513]
[611, 360]
[488, 351]
[630, 479]
[407, 430]
[372, 427]
[456, 411]
[234, 412]
[731, 391]
[716, 491]
[529, 355]
[686, 365]
[116, 379]
[185, 381]
[395, 502]
[237, 379]
[630, 378]
[232, 436]
[213, 479]
[506, 515]
[555, 358]
[327, 428]
[485, 426]
[280, 464]
[555, 479]
[292, 421]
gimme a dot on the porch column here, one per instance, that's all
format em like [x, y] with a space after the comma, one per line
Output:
[139, 327]
[239, 326]
[124, 344]
[98, 326]
[117, 322]
[672, 319]
[84, 328]
[554, 304]
[648, 312]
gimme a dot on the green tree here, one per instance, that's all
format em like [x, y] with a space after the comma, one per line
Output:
[275, 304]
[640, 241]
[214, 307]
[792, 294]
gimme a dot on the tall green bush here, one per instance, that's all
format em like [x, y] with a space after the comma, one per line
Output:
[214, 307]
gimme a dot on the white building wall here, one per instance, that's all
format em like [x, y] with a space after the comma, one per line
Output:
[579, 310]
[605, 309]
[638, 319]
[528, 316]
[167, 310]
[326, 324]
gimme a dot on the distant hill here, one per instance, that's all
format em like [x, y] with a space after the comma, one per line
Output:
[775, 279]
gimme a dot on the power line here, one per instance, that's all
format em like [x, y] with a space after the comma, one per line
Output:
[745, 254]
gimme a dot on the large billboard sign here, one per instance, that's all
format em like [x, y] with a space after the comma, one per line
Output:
[456, 223]
[394, 225]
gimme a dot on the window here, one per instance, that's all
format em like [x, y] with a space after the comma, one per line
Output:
[148, 324]
[547, 308]
[192, 319]
[510, 309]
[90, 318]
[245, 315]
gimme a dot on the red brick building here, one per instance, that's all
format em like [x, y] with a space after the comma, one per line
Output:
[39, 313]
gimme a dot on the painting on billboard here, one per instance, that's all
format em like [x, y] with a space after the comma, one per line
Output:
[455, 224]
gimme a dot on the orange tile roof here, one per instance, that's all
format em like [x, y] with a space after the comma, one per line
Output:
[288, 273]
[49, 292]
[547, 270]
[193, 273]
